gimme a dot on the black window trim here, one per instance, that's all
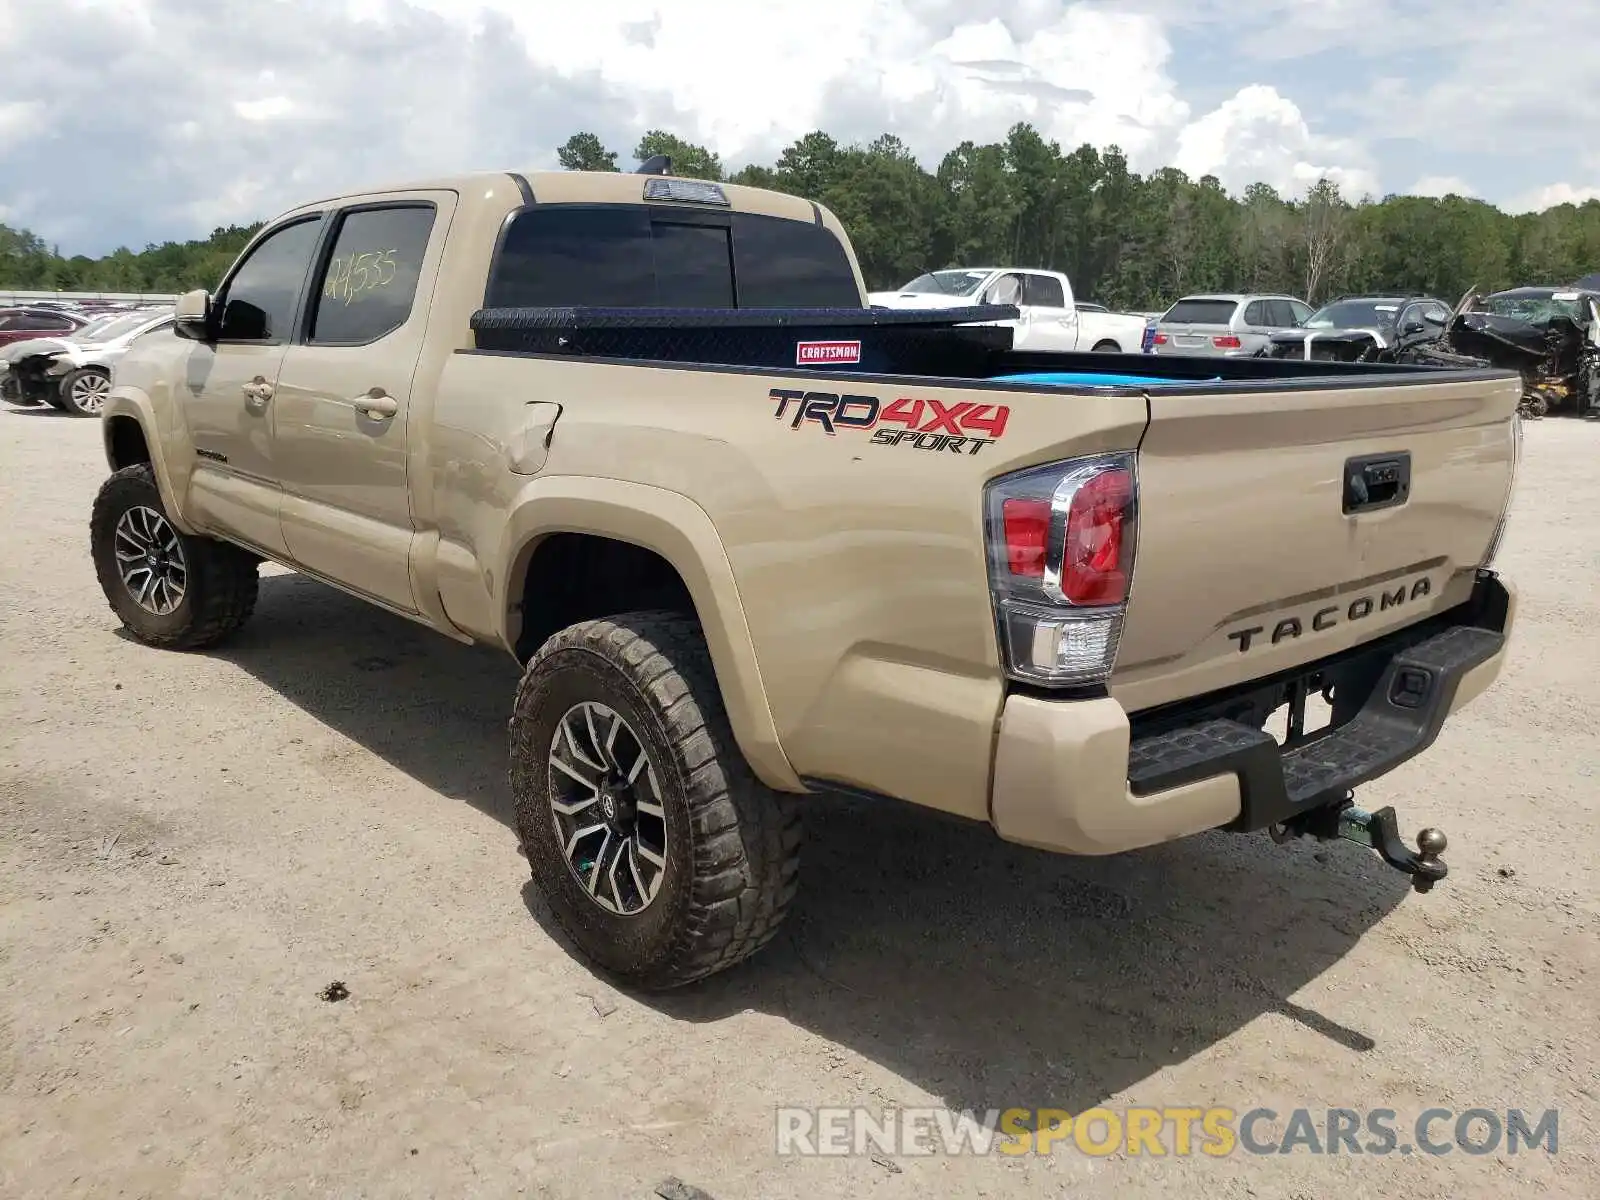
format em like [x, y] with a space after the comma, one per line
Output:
[322, 253]
[296, 313]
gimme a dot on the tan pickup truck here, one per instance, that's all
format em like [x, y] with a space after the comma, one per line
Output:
[754, 542]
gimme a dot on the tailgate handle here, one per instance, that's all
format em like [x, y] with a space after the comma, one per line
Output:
[1376, 481]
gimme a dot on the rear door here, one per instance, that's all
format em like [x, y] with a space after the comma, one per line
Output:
[1192, 325]
[1254, 553]
[345, 394]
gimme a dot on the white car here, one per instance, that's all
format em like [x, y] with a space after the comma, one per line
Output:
[1051, 319]
[73, 372]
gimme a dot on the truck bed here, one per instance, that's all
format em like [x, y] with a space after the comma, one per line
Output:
[928, 346]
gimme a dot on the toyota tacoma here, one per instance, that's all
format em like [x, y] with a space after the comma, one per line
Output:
[754, 541]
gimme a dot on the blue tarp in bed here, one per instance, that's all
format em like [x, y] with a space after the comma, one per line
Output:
[1100, 379]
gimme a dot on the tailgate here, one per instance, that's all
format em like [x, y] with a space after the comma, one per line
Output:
[1194, 339]
[1248, 561]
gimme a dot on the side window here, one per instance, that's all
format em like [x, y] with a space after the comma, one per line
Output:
[52, 322]
[1302, 312]
[1280, 314]
[782, 263]
[1043, 291]
[1438, 313]
[1005, 290]
[370, 282]
[8, 322]
[1255, 313]
[258, 302]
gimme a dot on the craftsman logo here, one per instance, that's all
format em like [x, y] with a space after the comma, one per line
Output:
[1325, 618]
[811, 354]
[957, 427]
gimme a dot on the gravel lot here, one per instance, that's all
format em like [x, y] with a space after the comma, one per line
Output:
[193, 846]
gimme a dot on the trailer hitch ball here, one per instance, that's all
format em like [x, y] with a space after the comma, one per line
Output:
[1379, 831]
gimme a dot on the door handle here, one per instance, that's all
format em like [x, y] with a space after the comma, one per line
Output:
[257, 391]
[1376, 481]
[376, 403]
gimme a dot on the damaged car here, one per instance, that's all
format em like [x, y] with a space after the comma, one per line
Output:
[1550, 335]
[1362, 329]
[73, 372]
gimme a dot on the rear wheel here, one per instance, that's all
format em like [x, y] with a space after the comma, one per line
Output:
[659, 852]
[83, 392]
[167, 588]
[1107, 347]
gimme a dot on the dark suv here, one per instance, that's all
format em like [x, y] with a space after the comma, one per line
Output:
[1359, 328]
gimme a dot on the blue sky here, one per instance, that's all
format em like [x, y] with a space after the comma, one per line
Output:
[128, 121]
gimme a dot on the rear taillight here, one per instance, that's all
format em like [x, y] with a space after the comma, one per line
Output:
[1160, 339]
[1061, 549]
[1027, 528]
[1226, 342]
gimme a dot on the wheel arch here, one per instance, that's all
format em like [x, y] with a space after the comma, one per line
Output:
[646, 547]
[132, 434]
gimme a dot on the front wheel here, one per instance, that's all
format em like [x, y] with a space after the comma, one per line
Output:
[83, 392]
[169, 589]
[659, 852]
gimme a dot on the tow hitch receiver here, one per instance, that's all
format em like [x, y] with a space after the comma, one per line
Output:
[1378, 831]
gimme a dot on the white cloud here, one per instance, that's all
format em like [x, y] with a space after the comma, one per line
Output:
[343, 95]
[19, 119]
[1440, 186]
[1551, 195]
[1259, 135]
[265, 109]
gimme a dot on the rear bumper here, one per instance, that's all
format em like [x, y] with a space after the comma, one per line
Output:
[1079, 777]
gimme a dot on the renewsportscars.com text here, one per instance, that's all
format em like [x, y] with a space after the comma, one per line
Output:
[1161, 1132]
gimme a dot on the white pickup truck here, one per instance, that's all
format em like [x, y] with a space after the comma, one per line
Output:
[1051, 319]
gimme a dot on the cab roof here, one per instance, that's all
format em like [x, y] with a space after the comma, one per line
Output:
[591, 187]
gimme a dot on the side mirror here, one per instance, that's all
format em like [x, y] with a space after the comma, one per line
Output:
[192, 316]
[1412, 326]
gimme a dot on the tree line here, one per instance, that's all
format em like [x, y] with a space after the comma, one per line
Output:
[1125, 239]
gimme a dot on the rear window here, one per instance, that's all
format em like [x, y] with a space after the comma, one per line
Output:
[626, 256]
[791, 264]
[1201, 312]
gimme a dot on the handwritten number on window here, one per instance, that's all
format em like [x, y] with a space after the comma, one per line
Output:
[353, 277]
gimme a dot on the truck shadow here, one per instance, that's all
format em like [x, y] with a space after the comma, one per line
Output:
[994, 976]
[986, 974]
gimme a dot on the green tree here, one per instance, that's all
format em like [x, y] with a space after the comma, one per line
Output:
[1125, 240]
[585, 152]
[688, 160]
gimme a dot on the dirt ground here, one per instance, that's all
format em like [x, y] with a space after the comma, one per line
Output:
[193, 846]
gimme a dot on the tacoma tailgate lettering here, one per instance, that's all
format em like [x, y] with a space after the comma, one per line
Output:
[1289, 628]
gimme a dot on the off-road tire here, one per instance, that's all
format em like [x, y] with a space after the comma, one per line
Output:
[62, 396]
[1107, 346]
[220, 590]
[733, 844]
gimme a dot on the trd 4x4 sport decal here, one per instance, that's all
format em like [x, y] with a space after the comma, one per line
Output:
[923, 424]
